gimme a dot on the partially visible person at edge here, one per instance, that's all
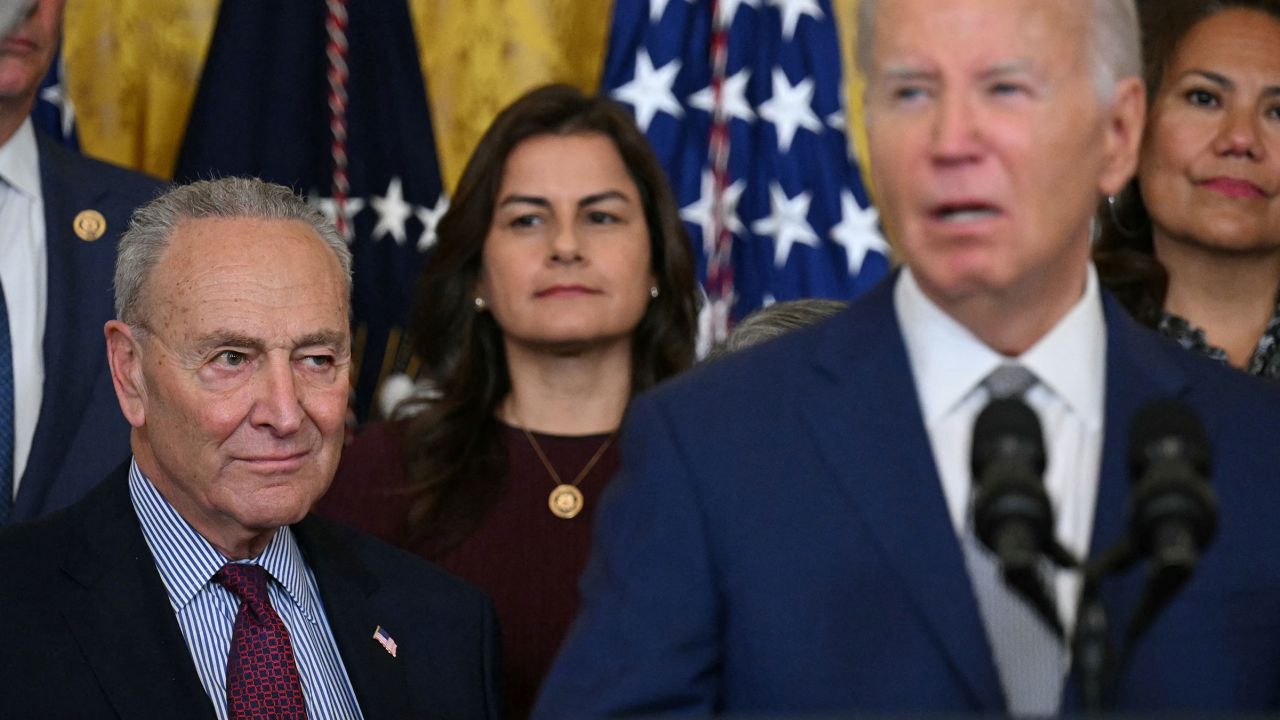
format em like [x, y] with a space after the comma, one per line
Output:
[562, 285]
[1192, 245]
[774, 321]
[61, 216]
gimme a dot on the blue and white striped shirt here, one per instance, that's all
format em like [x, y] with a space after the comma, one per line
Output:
[206, 610]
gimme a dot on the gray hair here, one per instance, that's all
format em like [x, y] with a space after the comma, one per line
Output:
[1115, 41]
[776, 320]
[153, 224]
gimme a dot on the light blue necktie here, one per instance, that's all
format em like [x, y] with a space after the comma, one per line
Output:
[1029, 658]
[6, 414]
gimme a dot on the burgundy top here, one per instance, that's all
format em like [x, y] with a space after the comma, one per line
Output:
[526, 558]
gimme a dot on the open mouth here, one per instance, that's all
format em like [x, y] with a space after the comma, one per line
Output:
[964, 212]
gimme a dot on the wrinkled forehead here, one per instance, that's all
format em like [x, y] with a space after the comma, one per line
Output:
[964, 35]
[214, 269]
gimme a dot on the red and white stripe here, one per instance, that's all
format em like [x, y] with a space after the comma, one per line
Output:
[335, 50]
[719, 282]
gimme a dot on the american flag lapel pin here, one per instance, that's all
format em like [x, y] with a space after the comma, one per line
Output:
[385, 640]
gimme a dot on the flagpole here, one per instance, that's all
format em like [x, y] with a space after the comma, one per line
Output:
[719, 282]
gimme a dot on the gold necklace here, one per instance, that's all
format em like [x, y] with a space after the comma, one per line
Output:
[565, 500]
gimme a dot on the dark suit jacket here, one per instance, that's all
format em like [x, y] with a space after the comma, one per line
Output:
[777, 542]
[87, 630]
[80, 434]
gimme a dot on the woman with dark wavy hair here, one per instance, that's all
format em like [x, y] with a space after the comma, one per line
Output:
[1192, 246]
[561, 286]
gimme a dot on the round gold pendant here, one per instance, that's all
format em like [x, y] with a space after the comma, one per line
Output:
[565, 501]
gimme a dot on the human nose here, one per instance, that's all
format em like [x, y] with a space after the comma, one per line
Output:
[566, 246]
[955, 131]
[279, 405]
[1240, 135]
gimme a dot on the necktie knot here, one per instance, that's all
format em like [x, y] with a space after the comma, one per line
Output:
[1010, 380]
[247, 582]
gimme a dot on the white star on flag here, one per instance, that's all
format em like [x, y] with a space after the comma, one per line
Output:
[430, 219]
[733, 98]
[786, 223]
[656, 9]
[792, 10]
[728, 9]
[789, 108]
[392, 212]
[329, 207]
[649, 92]
[699, 212]
[56, 96]
[857, 232]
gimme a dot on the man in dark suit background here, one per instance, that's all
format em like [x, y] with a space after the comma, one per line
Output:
[61, 215]
[195, 570]
[790, 532]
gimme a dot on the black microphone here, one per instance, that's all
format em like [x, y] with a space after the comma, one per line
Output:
[1173, 509]
[1011, 511]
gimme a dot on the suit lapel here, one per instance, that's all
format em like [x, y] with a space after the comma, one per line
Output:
[864, 413]
[73, 346]
[349, 591]
[1138, 371]
[116, 606]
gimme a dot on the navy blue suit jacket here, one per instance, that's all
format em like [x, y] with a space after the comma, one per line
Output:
[777, 542]
[81, 436]
[88, 631]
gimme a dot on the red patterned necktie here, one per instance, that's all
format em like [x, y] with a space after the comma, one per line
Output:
[262, 677]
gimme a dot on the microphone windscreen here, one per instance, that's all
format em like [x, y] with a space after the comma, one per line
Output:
[1167, 429]
[1004, 427]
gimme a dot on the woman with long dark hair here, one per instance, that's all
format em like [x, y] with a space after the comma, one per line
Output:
[1192, 246]
[561, 286]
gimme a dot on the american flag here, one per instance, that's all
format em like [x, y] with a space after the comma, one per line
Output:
[743, 102]
[328, 97]
[53, 112]
[384, 640]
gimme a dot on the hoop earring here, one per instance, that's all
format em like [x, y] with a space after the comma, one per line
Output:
[653, 291]
[1112, 201]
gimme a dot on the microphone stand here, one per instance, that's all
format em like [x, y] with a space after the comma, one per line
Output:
[1092, 653]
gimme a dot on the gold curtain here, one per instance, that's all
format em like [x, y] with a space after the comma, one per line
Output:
[133, 67]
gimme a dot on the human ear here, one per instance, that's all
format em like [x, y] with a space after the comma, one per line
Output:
[1123, 139]
[124, 358]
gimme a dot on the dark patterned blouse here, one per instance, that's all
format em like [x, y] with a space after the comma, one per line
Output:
[1266, 357]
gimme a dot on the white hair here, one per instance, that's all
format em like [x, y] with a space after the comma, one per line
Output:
[153, 225]
[1115, 42]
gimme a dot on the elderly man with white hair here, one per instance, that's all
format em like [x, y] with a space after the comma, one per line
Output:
[797, 529]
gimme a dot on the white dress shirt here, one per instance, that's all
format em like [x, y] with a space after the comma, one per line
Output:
[949, 364]
[24, 272]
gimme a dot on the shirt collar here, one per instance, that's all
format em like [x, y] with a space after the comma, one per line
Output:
[948, 361]
[187, 561]
[20, 161]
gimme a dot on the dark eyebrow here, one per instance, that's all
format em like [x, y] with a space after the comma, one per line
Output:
[601, 197]
[543, 202]
[525, 199]
[1216, 78]
[1225, 82]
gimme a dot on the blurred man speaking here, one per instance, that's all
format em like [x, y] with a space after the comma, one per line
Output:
[193, 582]
[791, 532]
